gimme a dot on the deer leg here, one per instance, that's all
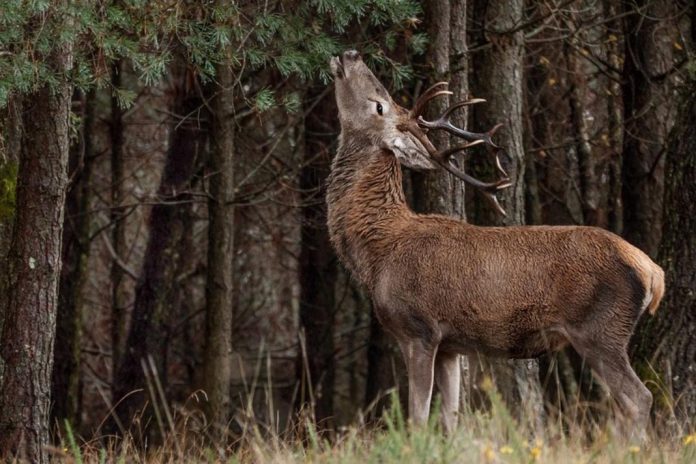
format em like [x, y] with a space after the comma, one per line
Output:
[420, 360]
[448, 379]
[632, 397]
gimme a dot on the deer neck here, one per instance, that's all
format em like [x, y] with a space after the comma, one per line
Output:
[366, 208]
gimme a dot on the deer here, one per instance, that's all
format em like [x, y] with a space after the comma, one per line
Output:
[444, 288]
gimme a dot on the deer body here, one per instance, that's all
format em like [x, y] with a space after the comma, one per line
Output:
[442, 287]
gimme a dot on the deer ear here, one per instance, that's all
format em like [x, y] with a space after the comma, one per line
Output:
[411, 155]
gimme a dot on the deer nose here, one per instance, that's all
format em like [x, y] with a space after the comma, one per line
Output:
[351, 55]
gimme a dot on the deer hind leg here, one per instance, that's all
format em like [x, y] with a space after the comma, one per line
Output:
[633, 399]
[448, 380]
[420, 360]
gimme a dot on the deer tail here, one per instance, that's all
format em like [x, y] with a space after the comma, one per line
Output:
[657, 289]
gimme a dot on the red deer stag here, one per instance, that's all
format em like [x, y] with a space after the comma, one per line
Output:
[442, 287]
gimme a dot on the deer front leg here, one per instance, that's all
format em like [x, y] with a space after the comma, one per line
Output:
[420, 360]
[448, 380]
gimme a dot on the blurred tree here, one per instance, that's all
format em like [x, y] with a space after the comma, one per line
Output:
[218, 362]
[433, 191]
[318, 264]
[615, 211]
[119, 299]
[151, 318]
[65, 388]
[648, 116]
[582, 85]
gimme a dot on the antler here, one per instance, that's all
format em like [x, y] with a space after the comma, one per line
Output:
[489, 189]
[444, 157]
[433, 92]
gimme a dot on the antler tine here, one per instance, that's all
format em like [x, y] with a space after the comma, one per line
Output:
[443, 123]
[499, 166]
[460, 104]
[489, 189]
[433, 91]
[446, 154]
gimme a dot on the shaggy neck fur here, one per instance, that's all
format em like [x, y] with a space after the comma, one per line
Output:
[366, 207]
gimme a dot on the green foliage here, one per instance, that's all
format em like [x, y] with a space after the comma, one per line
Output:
[124, 97]
[418, 43]
[292, 102]
[265, 99]
[296, 41]
[8, 185]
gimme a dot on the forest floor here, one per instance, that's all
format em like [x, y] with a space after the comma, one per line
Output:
[485, 437]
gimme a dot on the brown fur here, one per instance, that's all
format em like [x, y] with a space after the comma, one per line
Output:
[443, 287]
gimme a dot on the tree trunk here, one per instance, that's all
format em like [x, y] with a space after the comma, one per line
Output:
[579, 73]
[647, 115]
[65, 389]
[217, 369]
[615, 124]
[434, 191]
[34, 267]
[459, 75]
[499, 79]
[149, 328]
[669, 339]
[318, 270]
[119, 298]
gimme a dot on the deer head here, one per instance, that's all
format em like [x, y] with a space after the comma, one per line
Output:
[366, 107]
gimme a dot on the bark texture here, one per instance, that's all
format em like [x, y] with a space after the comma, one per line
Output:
[219, 287]
[615, 124]
[34, 267]
[648, 115]
[499, 79]
[669, 340]
[437, 191]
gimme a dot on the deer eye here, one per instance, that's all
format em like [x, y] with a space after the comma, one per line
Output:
[380, 110]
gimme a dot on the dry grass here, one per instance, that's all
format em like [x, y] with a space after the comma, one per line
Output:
[487, 437]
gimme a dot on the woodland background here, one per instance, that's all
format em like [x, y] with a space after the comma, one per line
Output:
[162, 216]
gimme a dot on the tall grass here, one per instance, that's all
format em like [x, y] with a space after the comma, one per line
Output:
[493, 436]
